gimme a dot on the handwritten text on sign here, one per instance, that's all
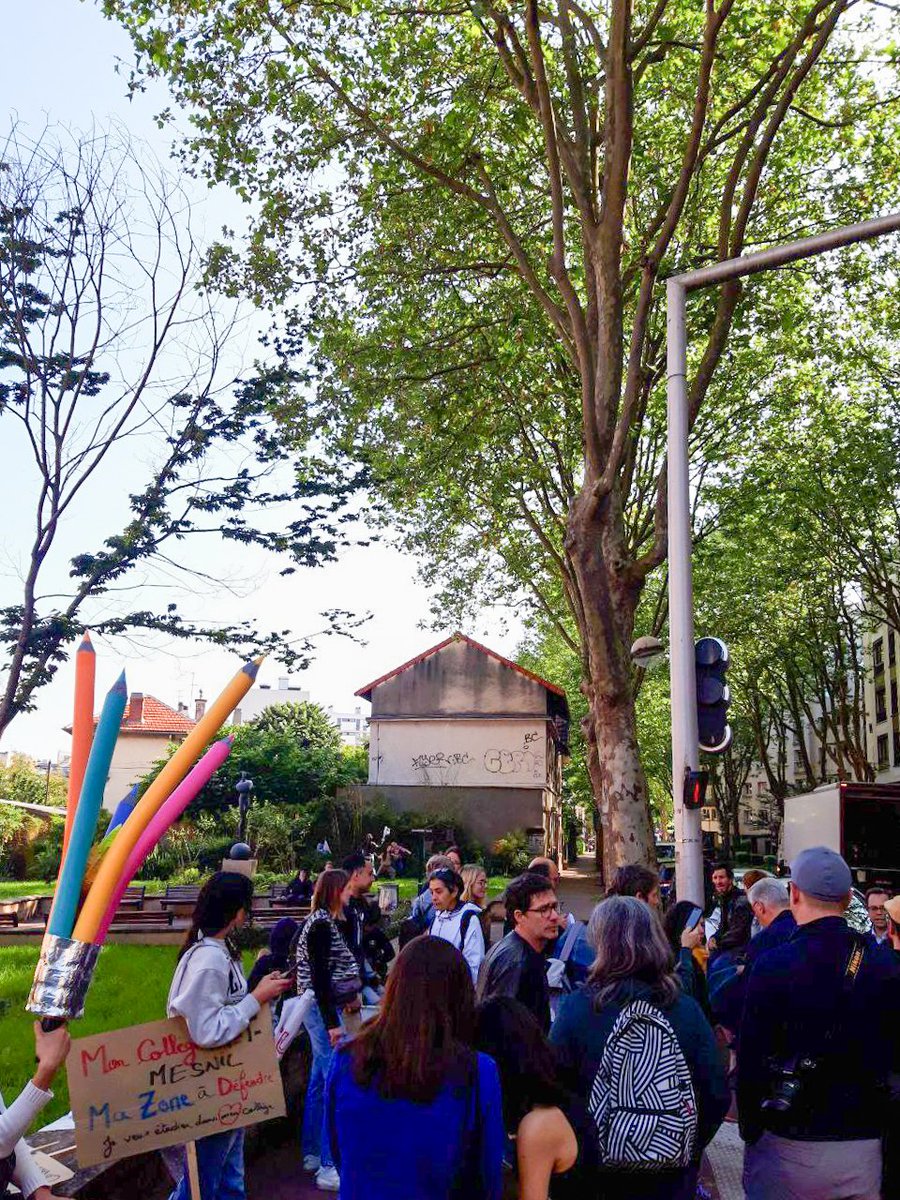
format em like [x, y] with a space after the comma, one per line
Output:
[148, 1086]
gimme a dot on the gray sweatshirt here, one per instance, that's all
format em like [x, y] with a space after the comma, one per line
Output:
[209, 990]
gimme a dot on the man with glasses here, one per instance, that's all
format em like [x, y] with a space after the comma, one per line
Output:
[876, 898]
[517, 965]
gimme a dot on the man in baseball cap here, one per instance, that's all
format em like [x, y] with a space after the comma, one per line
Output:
[817, 1042]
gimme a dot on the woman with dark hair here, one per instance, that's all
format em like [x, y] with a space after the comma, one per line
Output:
[413, 1111]
[645, 1058]
[683, 941]
[209, 991]
[327, 969]
[556, 1139]
[454, 920]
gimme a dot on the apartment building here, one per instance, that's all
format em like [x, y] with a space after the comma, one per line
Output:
[882, 709]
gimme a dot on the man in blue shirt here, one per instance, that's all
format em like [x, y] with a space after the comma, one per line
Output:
[771, 906]
[818, 1041]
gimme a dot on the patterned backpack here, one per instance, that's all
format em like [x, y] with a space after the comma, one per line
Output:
[642, 1099]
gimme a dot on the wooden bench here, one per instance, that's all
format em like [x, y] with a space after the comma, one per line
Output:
[9, 918]
[179, 895]
[265, 918]
[130, 919]
[133, 898]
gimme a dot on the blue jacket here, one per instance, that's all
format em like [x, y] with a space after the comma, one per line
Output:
[775, 934]
[580, 1034]
[386, 1149]
[798, 1005]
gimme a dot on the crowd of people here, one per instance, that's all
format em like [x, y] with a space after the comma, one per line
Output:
[566, 1060]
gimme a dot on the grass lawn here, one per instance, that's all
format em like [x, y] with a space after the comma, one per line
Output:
[130, 986]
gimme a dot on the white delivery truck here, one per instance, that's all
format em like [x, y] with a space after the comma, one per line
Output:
[859, 820]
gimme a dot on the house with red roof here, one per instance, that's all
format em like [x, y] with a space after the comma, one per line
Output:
[148, 727]
[460, 730]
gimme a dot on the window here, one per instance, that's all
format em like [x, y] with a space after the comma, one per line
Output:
[880, 705]
[893, 695]
[883, 761]
[896, 748]
[892, 647]
[878, 655]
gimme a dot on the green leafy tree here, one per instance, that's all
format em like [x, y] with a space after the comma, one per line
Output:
[22, 833]
[309, 724]
[483, 201]
[99, 309]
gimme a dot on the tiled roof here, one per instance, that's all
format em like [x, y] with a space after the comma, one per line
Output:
[366, 692]
[156, 718]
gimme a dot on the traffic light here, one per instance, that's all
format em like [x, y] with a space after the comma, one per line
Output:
[713, 696]
[693, 793]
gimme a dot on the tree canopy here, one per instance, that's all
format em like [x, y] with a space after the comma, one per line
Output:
[463, 215]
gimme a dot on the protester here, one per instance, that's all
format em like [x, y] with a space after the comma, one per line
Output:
[298, 891]
[413, 1111]
[421, 914]
[209, 991]
[475, 882]
[683, 941]
[638, 881]
[555, 1136]
[644, 1056]
[325, 965]
[455, 855]
[277, 957]
[360, 916]
[892, 909]
[875, 901]
[16, 1163]
[516, 966]
[454, 921]
[728, 900]
[768, 899]
[817, 1041]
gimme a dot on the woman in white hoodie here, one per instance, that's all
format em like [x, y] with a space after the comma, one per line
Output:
[209, 991]
[454, 921]
[16, 1163]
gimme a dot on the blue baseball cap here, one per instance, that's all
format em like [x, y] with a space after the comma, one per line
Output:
[822, 874]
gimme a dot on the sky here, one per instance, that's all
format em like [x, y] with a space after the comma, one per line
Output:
[60, 68]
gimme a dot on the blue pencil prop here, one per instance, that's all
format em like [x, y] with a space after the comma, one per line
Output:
[124, 809]
[68, 888]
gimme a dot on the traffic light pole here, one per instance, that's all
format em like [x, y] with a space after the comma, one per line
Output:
[685, 742]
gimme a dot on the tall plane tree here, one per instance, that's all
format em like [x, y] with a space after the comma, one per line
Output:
[482, 198]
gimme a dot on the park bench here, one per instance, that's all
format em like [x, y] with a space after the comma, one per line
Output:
[133, 898]
[129, 918]
[179, 896]
[9, 918]
[265, 918]
[277, 890]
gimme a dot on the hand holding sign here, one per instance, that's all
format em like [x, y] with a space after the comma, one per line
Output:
[149, 1086]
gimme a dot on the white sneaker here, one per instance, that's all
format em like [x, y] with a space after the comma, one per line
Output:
[311, 1162]
[328, 1180]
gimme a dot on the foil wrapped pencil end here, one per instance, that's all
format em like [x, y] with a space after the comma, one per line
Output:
[62, 977]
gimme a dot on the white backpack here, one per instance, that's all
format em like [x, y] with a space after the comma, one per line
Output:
[642, 1099]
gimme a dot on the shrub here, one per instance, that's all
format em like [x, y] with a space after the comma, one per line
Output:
[510, 853]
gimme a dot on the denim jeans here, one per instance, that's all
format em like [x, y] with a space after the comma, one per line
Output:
[314, 1136]
[220, 1162]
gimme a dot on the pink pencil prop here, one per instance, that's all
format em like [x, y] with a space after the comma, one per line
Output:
[168, 813]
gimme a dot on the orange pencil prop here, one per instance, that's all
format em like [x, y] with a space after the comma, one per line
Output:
[82, 728]
[100, 894]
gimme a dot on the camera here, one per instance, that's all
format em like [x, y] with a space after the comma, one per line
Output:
[787, 1083]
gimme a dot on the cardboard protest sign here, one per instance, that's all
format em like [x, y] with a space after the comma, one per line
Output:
[149, 1086]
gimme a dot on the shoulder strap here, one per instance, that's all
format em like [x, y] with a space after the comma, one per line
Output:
[465, 922]
[569, 941]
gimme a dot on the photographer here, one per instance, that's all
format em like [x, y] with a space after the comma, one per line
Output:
[818, 1039]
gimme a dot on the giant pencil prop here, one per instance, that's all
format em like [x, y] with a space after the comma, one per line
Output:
[67, 963]
[65, 968]
[112, 867]
[160, 822]
[82, 728]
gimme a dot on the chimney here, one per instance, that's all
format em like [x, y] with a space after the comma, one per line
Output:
[136, 708]
[182, 707]
[283, 684]
[199, 706]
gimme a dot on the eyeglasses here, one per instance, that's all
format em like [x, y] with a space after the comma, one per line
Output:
[545, 909]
